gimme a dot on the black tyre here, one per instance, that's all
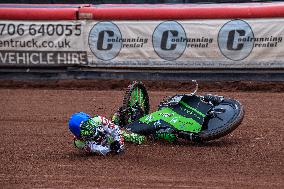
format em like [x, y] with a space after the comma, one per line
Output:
[135, 103]
[229, 116]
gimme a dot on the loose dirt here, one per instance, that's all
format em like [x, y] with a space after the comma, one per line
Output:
[37, 152]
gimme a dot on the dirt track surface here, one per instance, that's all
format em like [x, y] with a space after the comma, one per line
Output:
[36, 146]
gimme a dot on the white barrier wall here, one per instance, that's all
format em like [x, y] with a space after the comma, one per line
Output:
[239, 43]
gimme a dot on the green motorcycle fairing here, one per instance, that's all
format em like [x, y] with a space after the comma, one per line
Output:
[187, 116]
[172, 118]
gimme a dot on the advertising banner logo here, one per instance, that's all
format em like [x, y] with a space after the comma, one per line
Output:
[231, 40]
[105, 40]
[169, 40]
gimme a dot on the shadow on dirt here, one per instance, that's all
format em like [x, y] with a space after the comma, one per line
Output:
[81, 155]
[221, 143]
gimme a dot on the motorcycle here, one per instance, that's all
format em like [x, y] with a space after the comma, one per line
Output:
[190, 116]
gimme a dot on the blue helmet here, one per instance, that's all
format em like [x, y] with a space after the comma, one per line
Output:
[75, 121]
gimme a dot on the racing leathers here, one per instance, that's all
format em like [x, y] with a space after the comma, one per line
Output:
[102, 136]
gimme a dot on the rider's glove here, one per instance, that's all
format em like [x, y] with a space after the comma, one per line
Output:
[116, 147]
[78, 143]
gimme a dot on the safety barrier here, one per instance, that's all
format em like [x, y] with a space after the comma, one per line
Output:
[152, 37]
[183, 12]
[140, 12]
[38, 12]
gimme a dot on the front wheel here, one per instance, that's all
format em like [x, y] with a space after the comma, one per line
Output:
[222, 120]
[135, 103]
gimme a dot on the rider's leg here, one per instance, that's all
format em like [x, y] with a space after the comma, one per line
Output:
[133, 137]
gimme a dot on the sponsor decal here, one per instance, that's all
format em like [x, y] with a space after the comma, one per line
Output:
[236, 40]
[166, 114]
[174, 120]
[199, 42]
[106, 41]
[230, 40]
[264, 42]
[149, 118]
[41, 43]
[103, 40]
[169, 40]
[157, 123]
[43, 57]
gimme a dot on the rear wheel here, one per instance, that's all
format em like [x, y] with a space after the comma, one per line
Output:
[135, 103]
[225, 117]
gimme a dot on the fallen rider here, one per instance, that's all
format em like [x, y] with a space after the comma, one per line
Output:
[99, 135]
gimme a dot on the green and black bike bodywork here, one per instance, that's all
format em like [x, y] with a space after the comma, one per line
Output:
[187, 116]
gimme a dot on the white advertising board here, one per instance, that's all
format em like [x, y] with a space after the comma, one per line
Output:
[250, 43]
